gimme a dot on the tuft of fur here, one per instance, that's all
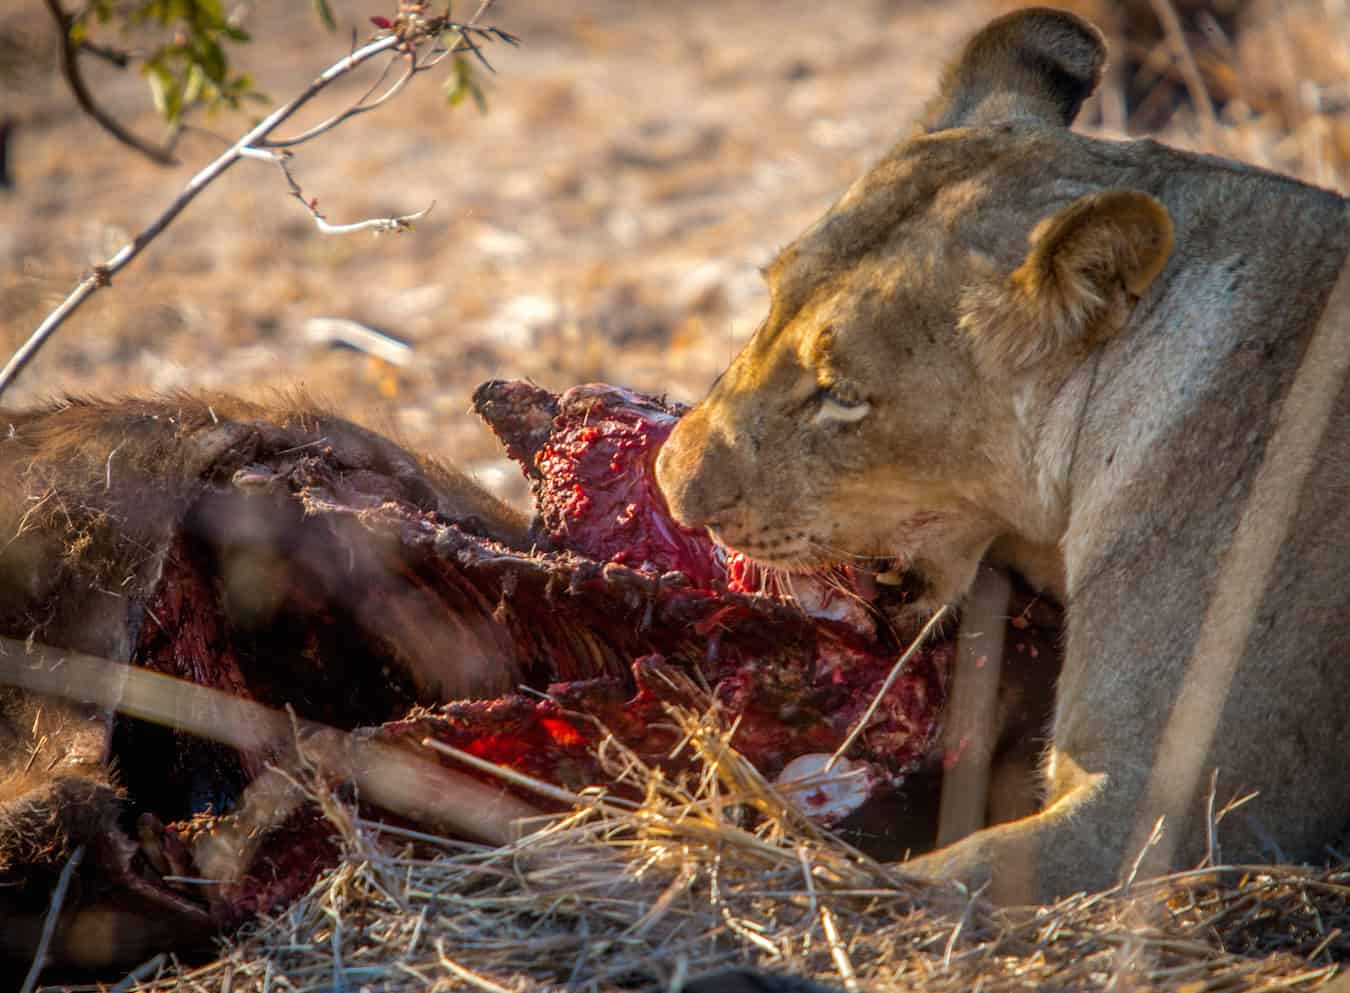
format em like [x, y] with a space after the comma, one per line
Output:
[43, 820]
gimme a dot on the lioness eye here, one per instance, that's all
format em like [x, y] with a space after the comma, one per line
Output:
[834, 410]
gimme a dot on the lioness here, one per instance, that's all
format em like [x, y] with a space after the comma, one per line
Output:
[1129, 361]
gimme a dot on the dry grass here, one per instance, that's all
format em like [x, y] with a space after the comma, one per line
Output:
[1263, 81]
[721, 872]
[1285, 99]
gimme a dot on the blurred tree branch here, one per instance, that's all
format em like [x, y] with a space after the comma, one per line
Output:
[414, 37]
[71, 45]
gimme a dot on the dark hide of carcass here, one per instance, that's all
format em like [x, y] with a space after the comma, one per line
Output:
[293, 559]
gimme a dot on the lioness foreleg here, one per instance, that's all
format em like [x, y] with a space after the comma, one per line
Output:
[1076, 842]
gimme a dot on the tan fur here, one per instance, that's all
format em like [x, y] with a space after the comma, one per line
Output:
[1081, 350]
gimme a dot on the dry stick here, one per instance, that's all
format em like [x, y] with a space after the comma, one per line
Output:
[1211, 821]
[613, 805]
[362, 106]
[141, 972]
[466, 974]
[53, 915]
[103, 273]
[842, 963]
[971, 718]
[1190, 73]
[393, 778]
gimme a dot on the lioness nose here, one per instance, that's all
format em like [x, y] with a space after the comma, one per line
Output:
[696, 478]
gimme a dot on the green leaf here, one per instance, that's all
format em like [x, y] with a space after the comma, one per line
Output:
[208, 12]
[164, 89]
[207, 53]
[325, 14]
[195, 84]
[463, 84]
[163, 11]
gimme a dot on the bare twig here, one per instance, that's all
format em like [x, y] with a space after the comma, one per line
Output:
[377, 224]
[1150, 843]
[466, 974]
[465, 32]
[1190, 73]
[113, 56]
[407, 35]
[362, 338]
[362, 106]
[1211, 821]
[70, 69]
[142, 972]
[838, 953]
[891, 677]
[53, 915]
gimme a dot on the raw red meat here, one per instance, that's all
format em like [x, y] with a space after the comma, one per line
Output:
[590, 457]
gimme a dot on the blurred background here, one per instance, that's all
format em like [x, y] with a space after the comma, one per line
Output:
[604, 220]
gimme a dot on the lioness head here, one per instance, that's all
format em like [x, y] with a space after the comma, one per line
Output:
[888, 405]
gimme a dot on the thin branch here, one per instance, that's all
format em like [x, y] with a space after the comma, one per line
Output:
[432, 59]
[143, 971]
[387, 775]
[102, 274]
[379, 225]
[838, 952]
[70, 69]
[42, 954]
[107, 53]
[1190, 73]
[406, 39]
[886, 685]
[362, 106]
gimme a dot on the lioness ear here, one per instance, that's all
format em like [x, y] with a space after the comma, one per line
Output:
[1036, 63]
[1086, 268]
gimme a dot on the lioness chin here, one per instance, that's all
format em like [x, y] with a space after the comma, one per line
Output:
[1131, 362]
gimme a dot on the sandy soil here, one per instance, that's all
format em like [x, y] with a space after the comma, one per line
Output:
[603, 221]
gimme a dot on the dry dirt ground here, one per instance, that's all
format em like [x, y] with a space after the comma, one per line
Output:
[603, 221]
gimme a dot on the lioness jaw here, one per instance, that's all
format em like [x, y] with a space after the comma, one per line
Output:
[1121, 353]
